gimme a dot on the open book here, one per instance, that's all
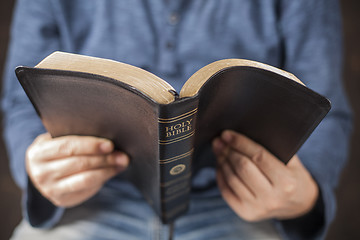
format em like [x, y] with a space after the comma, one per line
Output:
[168, 135]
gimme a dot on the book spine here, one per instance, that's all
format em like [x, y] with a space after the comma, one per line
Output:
[176, 141]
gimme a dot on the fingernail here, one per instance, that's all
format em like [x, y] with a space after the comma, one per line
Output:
[226, 136]
[218, 145]
[106, 146]
[121, 160]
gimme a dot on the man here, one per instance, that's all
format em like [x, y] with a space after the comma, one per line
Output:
[65, 180]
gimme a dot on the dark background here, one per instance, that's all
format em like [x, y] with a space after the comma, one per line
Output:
[346, 225]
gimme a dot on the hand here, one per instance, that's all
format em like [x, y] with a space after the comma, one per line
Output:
[69, 170]
[256, 185]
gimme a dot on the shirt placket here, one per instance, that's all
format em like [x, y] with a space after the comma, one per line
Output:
[168, 38]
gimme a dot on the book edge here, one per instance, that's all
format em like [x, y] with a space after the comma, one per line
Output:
[200, 77]
[150, 84]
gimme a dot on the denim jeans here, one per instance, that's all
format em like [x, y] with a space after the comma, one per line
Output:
[113, 214]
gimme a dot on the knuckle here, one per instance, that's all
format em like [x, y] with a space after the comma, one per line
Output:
[66, 147]
[32, 152]
[272, 205]
[289, 187]
[259, 157]
[231, 180]
[242, 165]
[38, 176]
[83, 163]
[40, 179]
[40, 138]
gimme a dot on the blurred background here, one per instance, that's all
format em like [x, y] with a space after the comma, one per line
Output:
[348, 193]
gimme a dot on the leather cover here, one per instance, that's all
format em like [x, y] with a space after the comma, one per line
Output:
[73, 103]
[167, 143]
[274, 111]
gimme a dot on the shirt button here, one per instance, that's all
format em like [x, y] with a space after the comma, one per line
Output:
[173, 18]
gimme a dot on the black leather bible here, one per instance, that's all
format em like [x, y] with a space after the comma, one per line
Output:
[168, 135]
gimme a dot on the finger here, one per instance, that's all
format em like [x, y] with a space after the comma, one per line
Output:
[271, 166]
[86, 180]
[220, 150]
[241, 143]
[224, 188]
[236, 184]
[67, 146]
[227, 193]
[75, 198]
[42, 137]
[218, 146]
[249, 173]
[247, 210]
[72, 165]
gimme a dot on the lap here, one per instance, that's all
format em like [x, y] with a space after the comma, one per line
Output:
[111, 215]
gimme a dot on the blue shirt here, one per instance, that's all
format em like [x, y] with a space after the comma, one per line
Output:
[173, 39]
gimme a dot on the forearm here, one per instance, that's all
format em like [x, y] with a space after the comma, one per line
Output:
[32, 37]
[313, 42]
[20, 129]
[325, 162]
[22, 125]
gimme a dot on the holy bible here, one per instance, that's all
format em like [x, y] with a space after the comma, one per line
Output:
[168, 135]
